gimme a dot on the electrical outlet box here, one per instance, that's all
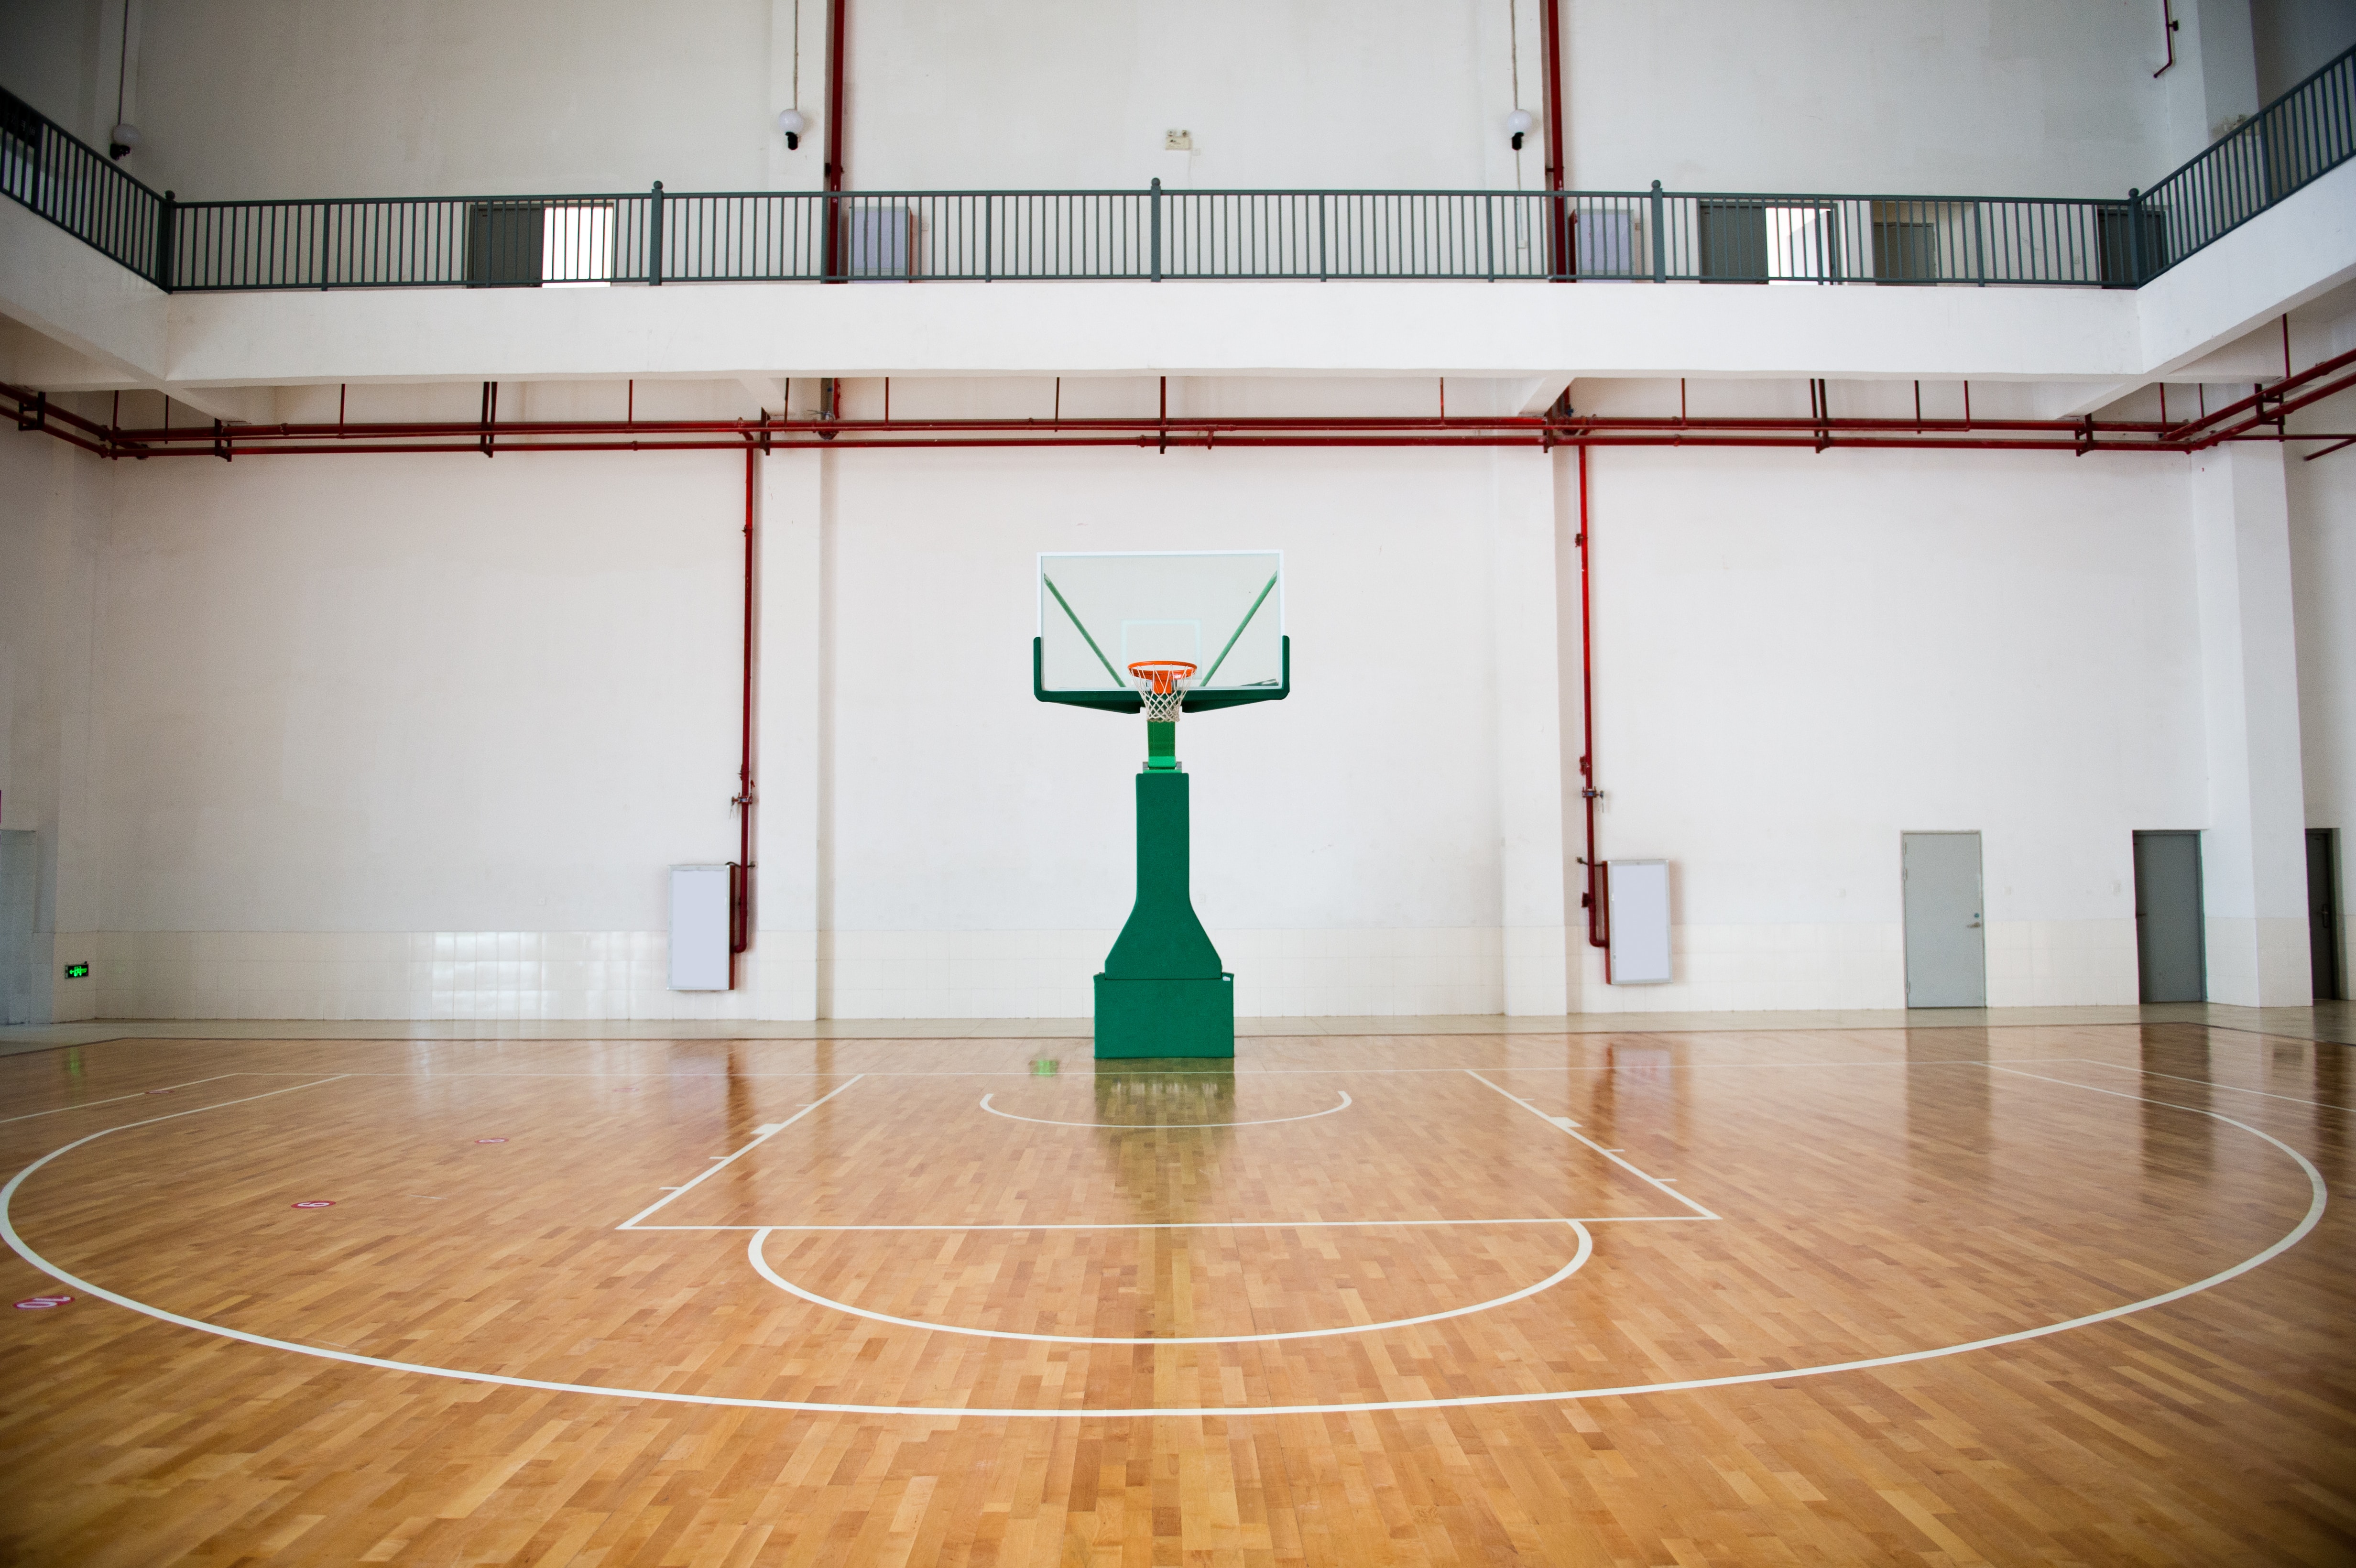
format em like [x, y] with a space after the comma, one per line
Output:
[1177, 141]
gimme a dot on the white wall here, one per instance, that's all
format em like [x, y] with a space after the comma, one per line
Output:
[1358, 818]
[275, 98]
[241, 98]
[54, 503]
[1900, 97]
[1800, 657]
[413, 699]
[416, 736]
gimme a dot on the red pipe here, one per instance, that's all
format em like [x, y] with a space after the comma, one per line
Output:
[2251, 419]
[1563, 429]
[1210, 440]
[740, 883]
[2256, 402]
[1599, 913]
[1563, 259]
[837, 24]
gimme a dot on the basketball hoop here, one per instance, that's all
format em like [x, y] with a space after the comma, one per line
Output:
[1162, 684]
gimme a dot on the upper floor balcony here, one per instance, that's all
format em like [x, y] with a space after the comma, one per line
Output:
[210, 292]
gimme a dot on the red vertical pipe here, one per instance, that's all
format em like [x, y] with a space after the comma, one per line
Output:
[1563, 261]
[740, 935]
[1599, 916]
[837, 24]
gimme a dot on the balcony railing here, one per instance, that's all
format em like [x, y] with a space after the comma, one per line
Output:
[2292, 141]
[656, 237]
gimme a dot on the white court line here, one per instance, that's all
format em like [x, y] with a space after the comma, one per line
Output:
[2210, 1083]
[1223, 1224]
[134, 1094]
[650, 1076]
[1578, 1261]
[1565, 1124]
[2298, 1233]
[1268, 1122]
[721, 1163]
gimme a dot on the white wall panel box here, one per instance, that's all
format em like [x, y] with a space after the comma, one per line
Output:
[1637, 895]
[699, 928]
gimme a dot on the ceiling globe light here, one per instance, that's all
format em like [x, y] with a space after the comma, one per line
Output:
[792, 124]
[1518, 124]
[122, 139]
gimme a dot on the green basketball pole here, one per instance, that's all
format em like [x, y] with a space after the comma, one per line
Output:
[1163, 991]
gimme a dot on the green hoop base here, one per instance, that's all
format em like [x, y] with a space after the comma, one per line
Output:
[1165, 1018]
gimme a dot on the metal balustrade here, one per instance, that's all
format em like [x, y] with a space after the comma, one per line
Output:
[2292, 141]
[77, 188]
[656, 237]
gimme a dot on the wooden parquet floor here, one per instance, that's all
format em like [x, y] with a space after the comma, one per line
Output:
[2049, 1295]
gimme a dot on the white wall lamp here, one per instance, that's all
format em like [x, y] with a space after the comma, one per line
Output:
[1518, 124]
[122, 139]
[792, 124]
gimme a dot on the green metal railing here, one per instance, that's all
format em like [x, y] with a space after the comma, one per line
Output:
[656, 237]
[2296, 139]
[79, 189]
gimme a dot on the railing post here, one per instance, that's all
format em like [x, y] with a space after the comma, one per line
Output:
[1323, 273]
[1157, 230]
[2135, 239]
[168, 233]
[1660, 239]
[655, 235]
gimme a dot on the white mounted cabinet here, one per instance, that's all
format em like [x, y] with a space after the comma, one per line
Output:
[1637, 897]
[699, 928]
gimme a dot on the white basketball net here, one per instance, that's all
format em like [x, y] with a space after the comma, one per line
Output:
[1163, 706]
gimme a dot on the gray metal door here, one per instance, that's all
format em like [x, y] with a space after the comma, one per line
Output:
[2322, 913]
[2170, 953]
[1947, 946]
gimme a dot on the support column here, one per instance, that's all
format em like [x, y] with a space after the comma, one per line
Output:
[1523, 628]
[791, 750]
[2253, 868]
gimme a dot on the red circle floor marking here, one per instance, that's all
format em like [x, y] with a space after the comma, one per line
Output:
[316, 1203]
[490, 1140]
[41, 1303]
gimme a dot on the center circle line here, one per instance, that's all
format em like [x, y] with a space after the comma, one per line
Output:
[761, 1266]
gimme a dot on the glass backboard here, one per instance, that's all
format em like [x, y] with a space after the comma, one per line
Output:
[1220, 611]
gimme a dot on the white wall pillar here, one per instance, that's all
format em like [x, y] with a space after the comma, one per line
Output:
[49, 543]
[2253, 872]
[2215, 78]
[786, 909]
[2323, 575]
[1523, 629]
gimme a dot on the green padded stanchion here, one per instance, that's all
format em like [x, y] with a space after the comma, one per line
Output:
[1163, 992]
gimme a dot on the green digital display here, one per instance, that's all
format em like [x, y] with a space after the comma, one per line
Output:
[77, 971]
